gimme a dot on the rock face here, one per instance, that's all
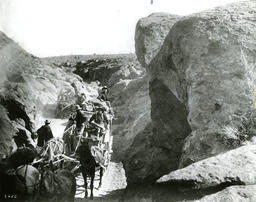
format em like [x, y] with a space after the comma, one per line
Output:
[150, 34]
[157, 148]
[235, 193]
[235, 167]
[7, 131]
[131, 103]
[206, 63]
[215, 49]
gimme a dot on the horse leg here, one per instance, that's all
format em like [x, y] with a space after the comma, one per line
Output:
[101, 174]
[92, 181]
[85, 182]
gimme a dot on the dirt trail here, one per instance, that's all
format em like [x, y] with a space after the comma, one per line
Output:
[113, 179]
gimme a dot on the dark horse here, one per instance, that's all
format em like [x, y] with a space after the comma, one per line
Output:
[88, 165]
[18, 179]
[57, 186]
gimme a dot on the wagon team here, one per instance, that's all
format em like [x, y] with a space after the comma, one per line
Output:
[98, 125]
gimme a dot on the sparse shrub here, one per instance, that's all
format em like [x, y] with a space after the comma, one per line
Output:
[236, 134]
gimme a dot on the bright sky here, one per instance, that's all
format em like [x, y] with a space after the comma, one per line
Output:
[63, 27]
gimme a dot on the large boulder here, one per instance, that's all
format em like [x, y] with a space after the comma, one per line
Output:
[131, 103]
[150, 34]
[157, 148]
[233, 193]
[235, 167]
[206, 63]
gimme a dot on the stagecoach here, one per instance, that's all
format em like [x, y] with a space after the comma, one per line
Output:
[65, 152]
[73, 138]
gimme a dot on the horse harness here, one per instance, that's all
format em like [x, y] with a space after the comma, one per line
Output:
[23, 178]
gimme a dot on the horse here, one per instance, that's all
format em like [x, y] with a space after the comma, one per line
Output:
[10, 185]
[72, 132]
[88, 166]
[59, 186]
[20, 183]
[31, 178]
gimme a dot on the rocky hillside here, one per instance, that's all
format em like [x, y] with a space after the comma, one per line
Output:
[31, 89]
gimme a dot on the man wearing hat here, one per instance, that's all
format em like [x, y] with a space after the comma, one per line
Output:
[103, 94]
[80, 119]
[98, 121]
[82, 99]
[44, 134]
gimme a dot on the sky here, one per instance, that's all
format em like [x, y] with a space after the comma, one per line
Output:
[63, 27]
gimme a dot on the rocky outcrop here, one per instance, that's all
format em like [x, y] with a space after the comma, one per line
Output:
[234, 193]
[7, 131]
[150, 34]
[222, 57]
[31, 89]
[157, 148]
[235, 167]
[131, 103]
[206, 62]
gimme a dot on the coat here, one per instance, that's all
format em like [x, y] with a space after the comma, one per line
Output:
[44, 135]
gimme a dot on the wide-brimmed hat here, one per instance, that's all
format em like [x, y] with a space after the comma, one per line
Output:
[101, 109]
[78, 107]
[47, 121]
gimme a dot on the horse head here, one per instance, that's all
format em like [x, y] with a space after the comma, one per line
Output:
[47, 185]
[55, 186]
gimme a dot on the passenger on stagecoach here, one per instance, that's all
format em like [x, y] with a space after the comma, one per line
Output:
[82, 99]
[80, 119]
[85, 103]
[44, 134]
[99, 121]
[103, 95]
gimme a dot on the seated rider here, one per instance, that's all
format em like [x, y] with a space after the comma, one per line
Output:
[98, 121]
[103, 94]
[85, 103]
[82, 99]
[44, 134]
[80, 119]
